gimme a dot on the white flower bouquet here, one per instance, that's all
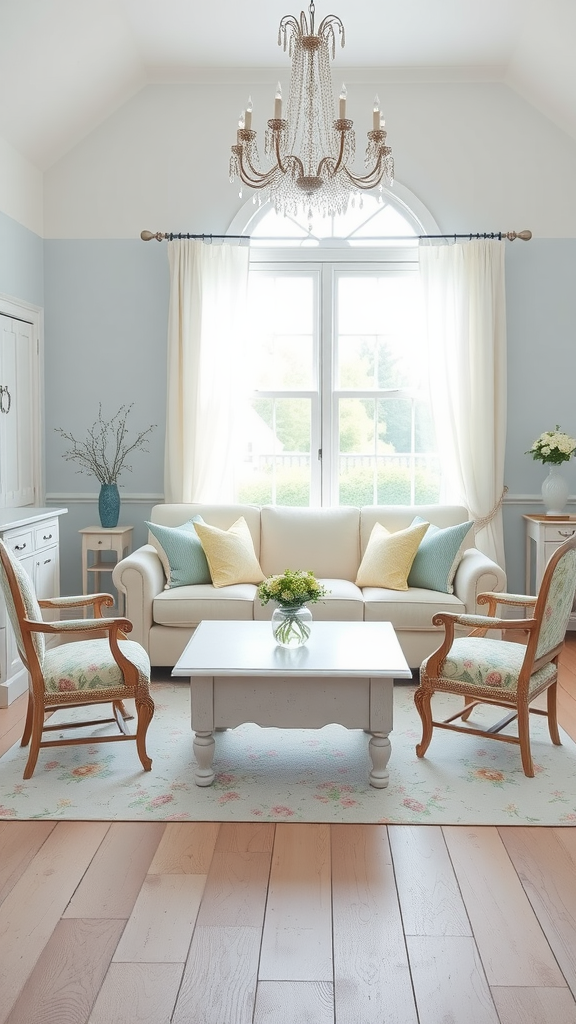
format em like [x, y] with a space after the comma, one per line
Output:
[292, 588]
[553, 446]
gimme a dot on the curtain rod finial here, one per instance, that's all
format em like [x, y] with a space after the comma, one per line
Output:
[147, 236]
[524, 235]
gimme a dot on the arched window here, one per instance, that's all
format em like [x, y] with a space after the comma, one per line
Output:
[337, 409]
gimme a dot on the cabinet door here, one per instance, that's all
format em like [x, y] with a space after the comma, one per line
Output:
[17, 412]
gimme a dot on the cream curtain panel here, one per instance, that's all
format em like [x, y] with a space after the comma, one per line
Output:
[464, 290]
[206, 318]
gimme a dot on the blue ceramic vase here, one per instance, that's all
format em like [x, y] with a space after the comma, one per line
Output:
[109, 505]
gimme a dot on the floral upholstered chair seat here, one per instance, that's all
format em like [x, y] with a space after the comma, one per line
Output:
[490, 665]
[66, 669]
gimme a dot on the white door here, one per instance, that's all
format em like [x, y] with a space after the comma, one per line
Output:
[18, 412]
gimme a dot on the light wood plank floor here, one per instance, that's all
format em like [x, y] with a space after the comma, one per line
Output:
[204, 923]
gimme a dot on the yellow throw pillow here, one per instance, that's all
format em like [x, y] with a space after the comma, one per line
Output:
[230, 554]
[388, 557]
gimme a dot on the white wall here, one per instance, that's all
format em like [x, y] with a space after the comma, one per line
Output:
[478, 156]
[21, 189]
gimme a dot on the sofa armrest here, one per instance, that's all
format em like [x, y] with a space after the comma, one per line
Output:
[475, 575]
[140, 577]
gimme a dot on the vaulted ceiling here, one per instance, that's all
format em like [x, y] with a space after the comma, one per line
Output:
[66, 65]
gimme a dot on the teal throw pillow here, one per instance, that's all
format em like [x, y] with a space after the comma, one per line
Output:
[181, 554]
[438, 556]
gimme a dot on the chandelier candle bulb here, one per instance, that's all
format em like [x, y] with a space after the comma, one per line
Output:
[248, 114]
[342, 103]
[376, 114]
[278, 102]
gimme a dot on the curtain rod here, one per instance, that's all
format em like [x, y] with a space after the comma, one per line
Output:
[160, 236]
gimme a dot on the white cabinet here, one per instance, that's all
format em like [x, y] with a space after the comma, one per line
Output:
[32, 535]
[19, 392]
[544, 534]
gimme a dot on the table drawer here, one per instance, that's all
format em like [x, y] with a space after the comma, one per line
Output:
[98, 543]
[20, 543]
[559, 533]
[46, 535]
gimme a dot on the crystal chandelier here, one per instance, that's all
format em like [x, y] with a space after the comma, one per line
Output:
[310, 152]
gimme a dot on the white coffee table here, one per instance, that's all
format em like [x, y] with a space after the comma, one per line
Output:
[344, 674]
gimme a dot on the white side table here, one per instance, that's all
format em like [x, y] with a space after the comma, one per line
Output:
[98, 539]
[544, 534]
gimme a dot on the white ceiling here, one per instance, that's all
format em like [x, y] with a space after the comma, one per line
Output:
[66, 65]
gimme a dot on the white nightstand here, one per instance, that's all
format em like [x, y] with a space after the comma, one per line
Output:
[544, 534]
[98, 539]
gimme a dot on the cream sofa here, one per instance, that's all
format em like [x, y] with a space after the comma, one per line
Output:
[328, 541]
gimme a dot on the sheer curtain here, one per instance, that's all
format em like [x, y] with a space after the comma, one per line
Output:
[464, 291]
[208, 288]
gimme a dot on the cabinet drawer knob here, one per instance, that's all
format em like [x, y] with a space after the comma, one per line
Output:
[566, 533]
[47, 561]
[19, 547]
[47, 536]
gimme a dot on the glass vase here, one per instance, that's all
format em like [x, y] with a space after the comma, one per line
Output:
[291, 625]
[109, 505]
[555, 492]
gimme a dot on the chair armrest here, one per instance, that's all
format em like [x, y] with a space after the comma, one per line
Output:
[103, 625]
[510, 600]
[96, 601]
[517, 599]
[477, 574]
[140, 577]
[480, 625]
[482, 622]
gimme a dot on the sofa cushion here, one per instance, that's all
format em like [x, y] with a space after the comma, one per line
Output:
[181, 553]
[438, 557]
[324, 541]
[389, 556]
[344, 603]
[408, 609]
[187, 606]
[230, 554]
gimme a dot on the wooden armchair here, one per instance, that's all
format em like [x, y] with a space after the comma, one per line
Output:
[107, 668]
[509, 675]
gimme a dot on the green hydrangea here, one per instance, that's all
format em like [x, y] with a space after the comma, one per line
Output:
[292, 587]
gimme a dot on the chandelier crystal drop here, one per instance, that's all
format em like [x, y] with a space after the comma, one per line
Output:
[309, 150]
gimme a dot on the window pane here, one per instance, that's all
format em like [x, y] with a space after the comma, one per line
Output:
[356, 451]
[276, 466]
[380, 335]
[383, 452]
[280, 344]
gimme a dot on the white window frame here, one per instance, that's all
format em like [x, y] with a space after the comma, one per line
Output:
[330, 257]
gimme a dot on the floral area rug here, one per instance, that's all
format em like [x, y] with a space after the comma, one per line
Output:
[296, 775]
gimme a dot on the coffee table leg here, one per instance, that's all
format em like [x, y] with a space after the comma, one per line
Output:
[379, 749]
[203, 746]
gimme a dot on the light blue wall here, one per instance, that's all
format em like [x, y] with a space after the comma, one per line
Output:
[21, 262]
[105, 341]
[541, 305]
